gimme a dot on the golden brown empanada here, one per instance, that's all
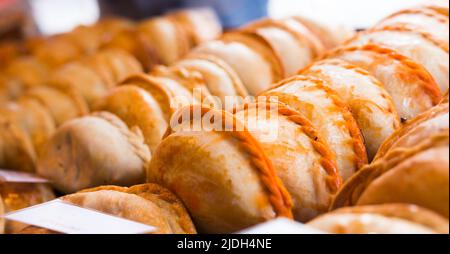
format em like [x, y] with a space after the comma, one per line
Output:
[94, 150]
[330, 36]
[295, 47]
[167, 37]
[120, 63]
[201, 24]
[56, 51]
[224, 178]
[136, 107]
[16, 149]
[220, 79]
[190, 80]
[371, 105]
[427, 19]
[420, 128]
[250, 55]
[412, 86]
[302, 160]
[329, 115]
[382, 219]
[421, 47]
[21, 74]
[63, 104]
[79, 77]
[416, 175]
[16, 196]
[149, 204]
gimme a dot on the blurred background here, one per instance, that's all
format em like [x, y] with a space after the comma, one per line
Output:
[24, 18]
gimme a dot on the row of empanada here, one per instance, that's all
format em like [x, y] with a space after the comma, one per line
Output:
[160, 40]
[318, 144]
[142, 105]
[235, 174]
[27, 123]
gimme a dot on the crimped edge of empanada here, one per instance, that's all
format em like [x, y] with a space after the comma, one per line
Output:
[279, 197]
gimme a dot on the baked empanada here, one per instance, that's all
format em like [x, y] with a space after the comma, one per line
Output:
[382, 219]
[329, 115]
[16, 196]
[148, 204]
[21, 74]
[416, 175]
[223, 176]
[250, 55]
[294, 47]
[167, 37]
[120, 63]
[220, 79]
[94, 150]
[419, 46]
[138, 108]
[63, 104]
[330, 36]
[201, 24]
[412, 86]
[420, 128]
[80, 78]
[16, 149]
[371, 105]
[422, 20]
[302, 160]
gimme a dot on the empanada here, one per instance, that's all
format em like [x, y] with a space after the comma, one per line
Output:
[329, 115]
[167, 37]
[94, 150]
[192, 81]
[120, 63]
[250, 55]
[22, 74]
[371, 105]
[16, 196]
[419, 46]
[412, 86]
[221, 80]
[422, 20]
[416, 175]
[330, 36]
[32, 118]
[201, 24]
[302, 160]
[63, 104]
[382, 219]
[420, 128]
[223, 176]
[149, 204]
[169, 93]
[138, 108]
[294, 47]
[80, 78]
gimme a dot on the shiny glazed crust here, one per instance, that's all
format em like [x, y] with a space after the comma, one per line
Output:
[371, 105]
[350, 152]
[413, 87]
